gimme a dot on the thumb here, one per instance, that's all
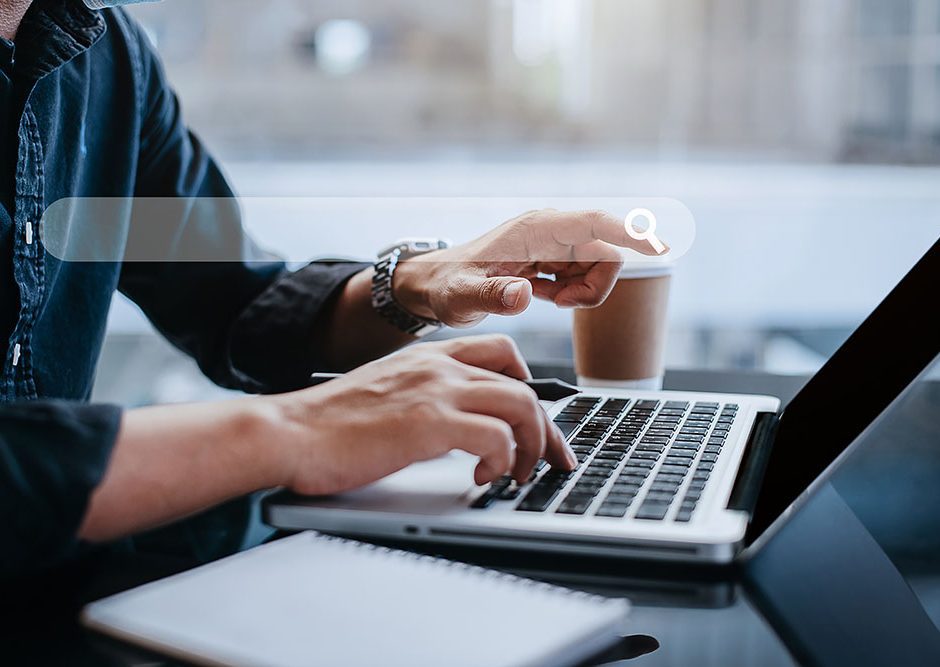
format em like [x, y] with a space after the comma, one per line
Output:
[504, 296]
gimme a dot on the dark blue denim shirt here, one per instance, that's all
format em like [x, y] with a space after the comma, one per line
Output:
[89, 114]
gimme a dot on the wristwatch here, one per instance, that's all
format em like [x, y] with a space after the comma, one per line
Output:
[383, 300]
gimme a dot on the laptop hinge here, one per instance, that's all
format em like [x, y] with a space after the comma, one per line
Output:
[754, 464]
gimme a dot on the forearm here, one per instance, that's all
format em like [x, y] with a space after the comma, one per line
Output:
[173, 461]
[356, 333]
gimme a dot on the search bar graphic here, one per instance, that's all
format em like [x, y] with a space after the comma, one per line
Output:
[648, 233]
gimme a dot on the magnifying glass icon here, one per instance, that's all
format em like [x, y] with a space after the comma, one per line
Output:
[648, 234]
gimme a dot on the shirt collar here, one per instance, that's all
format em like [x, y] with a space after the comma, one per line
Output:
[52, 33]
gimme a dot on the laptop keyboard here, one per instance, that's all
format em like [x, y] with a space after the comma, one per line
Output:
[633, 458]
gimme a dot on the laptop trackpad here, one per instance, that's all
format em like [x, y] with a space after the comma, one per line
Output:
[429, 487]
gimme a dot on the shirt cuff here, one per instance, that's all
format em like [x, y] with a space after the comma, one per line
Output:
[273, 341]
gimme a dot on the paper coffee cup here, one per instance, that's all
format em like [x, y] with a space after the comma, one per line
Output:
[621, 342]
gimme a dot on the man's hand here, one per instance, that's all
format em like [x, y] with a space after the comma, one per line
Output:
[417, 405]
[499, 272]
[172, 460]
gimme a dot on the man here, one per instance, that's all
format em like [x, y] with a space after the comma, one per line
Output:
[87, 113]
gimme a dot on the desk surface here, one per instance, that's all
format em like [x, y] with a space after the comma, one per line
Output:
[680, 617]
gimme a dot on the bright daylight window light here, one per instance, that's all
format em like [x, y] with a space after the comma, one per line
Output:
[343, 46]
[531, 31]
[559, 31]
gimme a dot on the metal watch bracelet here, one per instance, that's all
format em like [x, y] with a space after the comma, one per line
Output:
[383, 300]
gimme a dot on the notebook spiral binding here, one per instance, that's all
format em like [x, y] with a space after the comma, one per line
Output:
[476, 570]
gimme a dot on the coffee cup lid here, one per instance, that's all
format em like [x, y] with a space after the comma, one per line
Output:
[649, 268]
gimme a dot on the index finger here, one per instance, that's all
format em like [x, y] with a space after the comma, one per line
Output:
[574, 228]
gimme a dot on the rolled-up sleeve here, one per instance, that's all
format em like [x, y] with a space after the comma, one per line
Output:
[248, 322]
[274, 339]
[52, 456]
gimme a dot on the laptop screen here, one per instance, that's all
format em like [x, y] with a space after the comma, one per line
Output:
[878, 361]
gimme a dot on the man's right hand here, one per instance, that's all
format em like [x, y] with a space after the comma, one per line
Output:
[417, 405]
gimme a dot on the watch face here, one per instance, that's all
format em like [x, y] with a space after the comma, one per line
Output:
[415, 246]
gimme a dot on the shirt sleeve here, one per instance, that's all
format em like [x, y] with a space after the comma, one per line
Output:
[52, 455]
[246, 320]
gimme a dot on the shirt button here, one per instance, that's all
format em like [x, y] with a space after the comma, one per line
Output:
[29, 233]
[16, 354]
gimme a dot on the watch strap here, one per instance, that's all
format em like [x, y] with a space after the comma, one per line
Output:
[383, 299]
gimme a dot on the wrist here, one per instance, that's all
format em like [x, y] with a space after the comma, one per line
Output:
[266, 423]
[412, 284]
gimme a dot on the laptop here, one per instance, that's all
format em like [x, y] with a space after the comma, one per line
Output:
[679, 476]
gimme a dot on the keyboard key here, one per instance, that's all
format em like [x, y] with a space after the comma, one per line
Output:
[664, 496]
[612, 510]
[596, 473]
[485, 500]
[575, 505]
[653, 511]
[603, 464]
[583, 442]
[669, 477]
[655, 440]
[624, 493]
[664, 487]
[679, 469]
[631, 478]
[600, 420]
[586, 489]
[537, 500]
[625, 440]
[496, 489]
[680, 453]
[585, 400]
[567, 428]
[688, 446]
[712, 449]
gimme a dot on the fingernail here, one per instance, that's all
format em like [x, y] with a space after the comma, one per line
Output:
[572, 459]
[512, 293]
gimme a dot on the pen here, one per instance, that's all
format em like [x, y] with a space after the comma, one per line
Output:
[547, 389]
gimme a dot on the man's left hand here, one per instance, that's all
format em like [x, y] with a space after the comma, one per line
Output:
[570, 258]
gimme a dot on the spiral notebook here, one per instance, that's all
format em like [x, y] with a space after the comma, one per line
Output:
[312, 599]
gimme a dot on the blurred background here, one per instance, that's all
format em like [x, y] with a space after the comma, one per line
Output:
[803, 135]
